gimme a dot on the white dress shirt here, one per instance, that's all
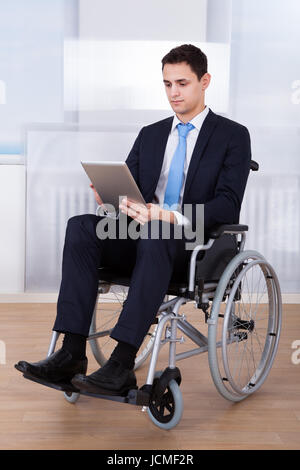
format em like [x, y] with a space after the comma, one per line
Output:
[171, 146]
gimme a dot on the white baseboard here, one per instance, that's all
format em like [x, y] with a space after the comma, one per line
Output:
[45, 298]
[27, 297]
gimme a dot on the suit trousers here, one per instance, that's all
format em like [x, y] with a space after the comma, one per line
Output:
[151, 260]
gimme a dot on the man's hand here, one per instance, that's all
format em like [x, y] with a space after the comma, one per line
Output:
[97, 197]
[143, 214]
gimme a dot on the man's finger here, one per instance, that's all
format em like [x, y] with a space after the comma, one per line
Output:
[135, 206]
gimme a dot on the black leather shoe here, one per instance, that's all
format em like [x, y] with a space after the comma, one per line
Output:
[111, 379]
[58, 367]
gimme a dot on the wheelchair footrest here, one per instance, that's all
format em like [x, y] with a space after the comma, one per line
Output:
[137, 397]
[62, 386]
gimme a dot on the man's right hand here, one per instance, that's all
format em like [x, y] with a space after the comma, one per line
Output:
[97, 197]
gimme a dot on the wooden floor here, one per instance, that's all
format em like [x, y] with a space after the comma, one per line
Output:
[36, 417]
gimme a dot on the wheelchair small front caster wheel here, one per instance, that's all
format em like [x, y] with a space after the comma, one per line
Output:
[71, 397]
[166, 411]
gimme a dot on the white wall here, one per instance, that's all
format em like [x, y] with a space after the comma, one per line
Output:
[12, 227]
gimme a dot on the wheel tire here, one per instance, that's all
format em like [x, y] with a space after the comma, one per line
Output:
[172, 400]
[71, 397]
[236, 331]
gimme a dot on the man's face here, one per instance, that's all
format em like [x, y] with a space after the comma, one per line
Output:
[184, 91]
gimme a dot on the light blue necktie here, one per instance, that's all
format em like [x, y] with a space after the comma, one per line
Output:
[175, 176]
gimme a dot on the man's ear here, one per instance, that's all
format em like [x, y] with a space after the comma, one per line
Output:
[205, 79]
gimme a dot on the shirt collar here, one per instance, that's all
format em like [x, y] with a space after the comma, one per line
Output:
[197, 121]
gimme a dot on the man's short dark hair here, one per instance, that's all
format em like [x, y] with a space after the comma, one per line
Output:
[190, 54]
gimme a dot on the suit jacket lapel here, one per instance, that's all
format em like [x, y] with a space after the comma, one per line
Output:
[206, 130]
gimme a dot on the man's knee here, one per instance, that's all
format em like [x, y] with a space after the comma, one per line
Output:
[157, 245]
[80, 227]
[73, 221]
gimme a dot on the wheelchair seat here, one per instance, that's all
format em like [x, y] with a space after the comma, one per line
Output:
[122, 278]
[210, 265]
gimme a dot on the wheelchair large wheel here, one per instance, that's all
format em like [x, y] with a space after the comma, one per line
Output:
[105, 316]
[244, 326]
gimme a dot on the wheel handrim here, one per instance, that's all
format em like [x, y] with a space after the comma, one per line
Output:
[249, 343]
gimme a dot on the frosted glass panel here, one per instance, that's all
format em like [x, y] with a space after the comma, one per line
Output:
[118, 75]
[31, 59]
[154, 20]
[58, 188]
[265, 83]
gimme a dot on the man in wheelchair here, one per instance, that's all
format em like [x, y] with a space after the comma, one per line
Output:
[193, 158]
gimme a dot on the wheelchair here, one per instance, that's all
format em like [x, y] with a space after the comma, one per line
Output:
[239, 294]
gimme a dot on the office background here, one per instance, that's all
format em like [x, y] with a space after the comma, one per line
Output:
[79, 78]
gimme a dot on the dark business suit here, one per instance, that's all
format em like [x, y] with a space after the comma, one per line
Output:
[218, 170]
[216, 177]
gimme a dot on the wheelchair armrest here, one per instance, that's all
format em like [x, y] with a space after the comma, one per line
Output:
[216, 232]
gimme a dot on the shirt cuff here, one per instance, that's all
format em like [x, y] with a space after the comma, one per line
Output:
[181, 219]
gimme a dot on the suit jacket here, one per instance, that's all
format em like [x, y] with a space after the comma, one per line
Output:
[218, 170]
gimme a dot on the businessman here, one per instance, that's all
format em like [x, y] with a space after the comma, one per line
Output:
[192, 158]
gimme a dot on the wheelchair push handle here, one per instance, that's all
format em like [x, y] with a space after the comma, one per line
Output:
[254, 166]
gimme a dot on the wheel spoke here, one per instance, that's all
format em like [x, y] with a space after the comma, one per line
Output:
[169, 407]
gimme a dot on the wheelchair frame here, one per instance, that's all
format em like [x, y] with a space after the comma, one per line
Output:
[164, 387]
[170, 312]
[161, 391]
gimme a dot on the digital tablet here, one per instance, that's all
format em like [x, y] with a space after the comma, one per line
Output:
[113, 180]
